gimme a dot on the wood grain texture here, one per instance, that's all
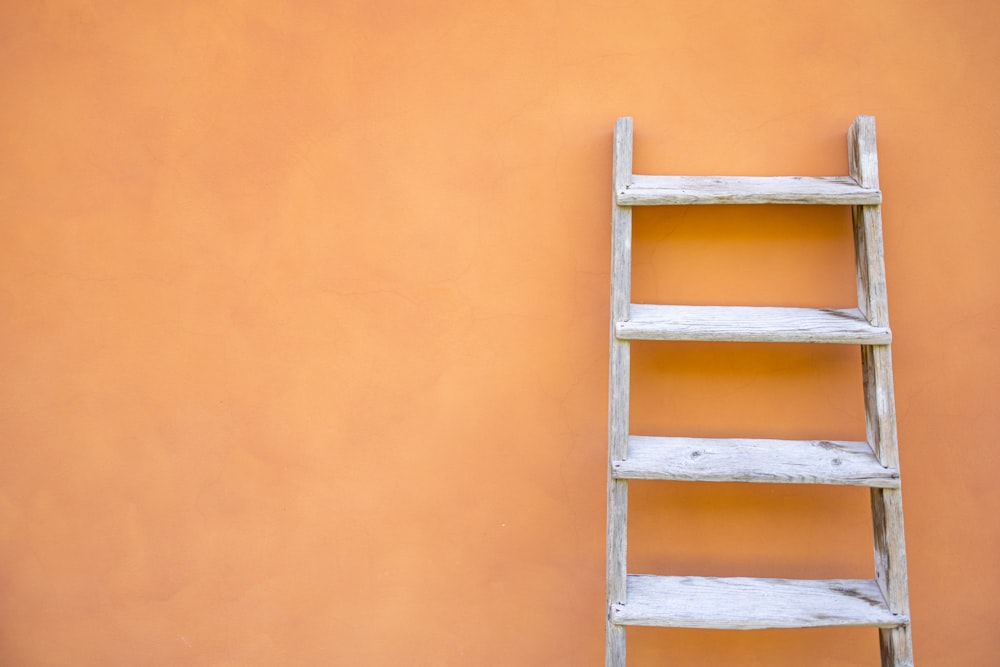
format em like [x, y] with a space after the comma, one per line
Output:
[867, 223]
[618, 392]
[862, 155]
[750, 324]
[741, 603]
[754, 460]
[614, 649]
[891, 572]
[887, 504]
[686, 190]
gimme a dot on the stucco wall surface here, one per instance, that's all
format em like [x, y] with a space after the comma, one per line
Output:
[303, 323]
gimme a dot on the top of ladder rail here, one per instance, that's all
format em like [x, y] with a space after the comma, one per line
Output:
[684, 190]
[860, 188]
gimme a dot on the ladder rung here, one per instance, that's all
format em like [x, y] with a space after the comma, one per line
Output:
[740, 603]
[750, 324]
[671, 190]
[754, 460]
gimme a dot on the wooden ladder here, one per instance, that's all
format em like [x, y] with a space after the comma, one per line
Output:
[739, 602]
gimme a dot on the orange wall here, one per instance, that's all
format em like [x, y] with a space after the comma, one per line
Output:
[304, 322]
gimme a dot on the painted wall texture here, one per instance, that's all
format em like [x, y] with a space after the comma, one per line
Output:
[304, 323]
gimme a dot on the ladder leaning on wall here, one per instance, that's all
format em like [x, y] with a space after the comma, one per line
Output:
[739, 602]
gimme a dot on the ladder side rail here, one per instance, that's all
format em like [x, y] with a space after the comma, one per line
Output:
[618, 392]
[887, 509]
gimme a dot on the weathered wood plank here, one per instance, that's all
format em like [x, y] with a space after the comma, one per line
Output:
[750, 324]
[754, 460]
[890, 572]
[880, 409]
[741, 603]
[618, 391]
[685, 190]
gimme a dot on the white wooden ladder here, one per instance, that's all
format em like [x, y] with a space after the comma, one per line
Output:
[738, 602]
